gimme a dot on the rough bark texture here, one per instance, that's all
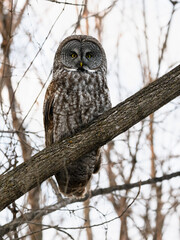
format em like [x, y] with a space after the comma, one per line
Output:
[112, 123]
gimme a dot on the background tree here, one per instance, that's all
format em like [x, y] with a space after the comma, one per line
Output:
[141, 40]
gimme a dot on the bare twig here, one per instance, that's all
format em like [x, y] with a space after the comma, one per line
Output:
[67, 3]
[29, 217]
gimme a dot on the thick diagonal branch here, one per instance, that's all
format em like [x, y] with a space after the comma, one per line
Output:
[112, 123]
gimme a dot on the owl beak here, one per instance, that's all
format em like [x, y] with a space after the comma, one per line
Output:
[80, 68]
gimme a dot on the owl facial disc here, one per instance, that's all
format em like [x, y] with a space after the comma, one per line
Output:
[81, 56]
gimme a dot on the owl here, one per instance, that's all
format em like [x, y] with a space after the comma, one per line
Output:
[77, 94]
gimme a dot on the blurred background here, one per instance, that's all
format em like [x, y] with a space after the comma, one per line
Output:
[141, 40]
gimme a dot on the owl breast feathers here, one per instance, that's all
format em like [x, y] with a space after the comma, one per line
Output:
[77, 94]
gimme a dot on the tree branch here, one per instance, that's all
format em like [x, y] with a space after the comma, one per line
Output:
[29, 217]
[112, 123]
[67, 3]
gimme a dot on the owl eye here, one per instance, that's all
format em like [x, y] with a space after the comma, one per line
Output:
[74, 55]
[88, 55]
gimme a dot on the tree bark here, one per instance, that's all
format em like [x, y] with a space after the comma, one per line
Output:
[112, 123]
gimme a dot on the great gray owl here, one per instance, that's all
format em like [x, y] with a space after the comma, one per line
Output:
[77, 94]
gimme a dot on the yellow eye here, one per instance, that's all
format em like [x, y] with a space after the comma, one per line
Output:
[73, 55]
[88, 55]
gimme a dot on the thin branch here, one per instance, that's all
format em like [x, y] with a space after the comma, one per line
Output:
[43, 229]
[101, 191]
[102, 223]
[164, 46]
[18, 21]
[31, 63]
[29, 217]
[67, 3]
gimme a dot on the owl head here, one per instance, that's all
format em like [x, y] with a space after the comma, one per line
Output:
[80, 53]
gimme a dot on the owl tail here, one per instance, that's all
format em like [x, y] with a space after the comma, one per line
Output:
[73, 179]
[68, 188]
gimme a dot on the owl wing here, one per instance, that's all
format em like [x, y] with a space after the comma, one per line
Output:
[48, 115]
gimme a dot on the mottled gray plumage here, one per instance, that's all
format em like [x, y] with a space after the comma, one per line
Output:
[77, 94]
